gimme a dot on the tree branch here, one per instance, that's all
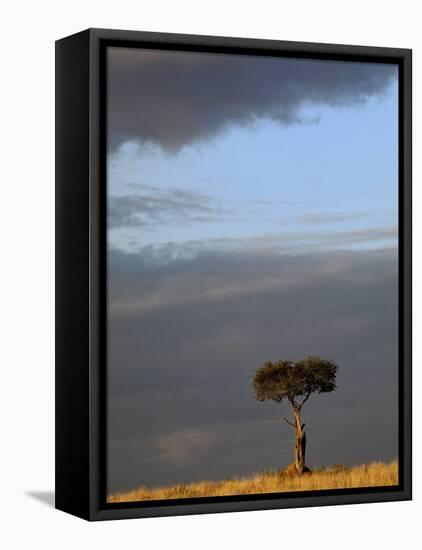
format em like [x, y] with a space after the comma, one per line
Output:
[304, 400]
[284, 419]
[292, 403]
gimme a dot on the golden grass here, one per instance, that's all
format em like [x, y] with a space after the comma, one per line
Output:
[374, 474]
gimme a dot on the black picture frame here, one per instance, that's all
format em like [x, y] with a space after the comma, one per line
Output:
[81, 273]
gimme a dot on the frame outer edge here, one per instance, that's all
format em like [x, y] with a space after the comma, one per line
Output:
[95, 258]
[72, 421]
[96, 207]
[407, 270]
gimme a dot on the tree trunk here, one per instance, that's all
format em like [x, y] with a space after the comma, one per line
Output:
[300, 443]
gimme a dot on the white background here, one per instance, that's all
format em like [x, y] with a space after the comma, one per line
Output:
[27, 272]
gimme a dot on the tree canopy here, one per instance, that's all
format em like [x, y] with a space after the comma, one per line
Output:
[290, 380]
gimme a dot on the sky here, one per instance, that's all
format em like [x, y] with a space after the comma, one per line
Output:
[252, 216]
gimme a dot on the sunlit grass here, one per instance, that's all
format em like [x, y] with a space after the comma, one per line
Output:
[374, 474]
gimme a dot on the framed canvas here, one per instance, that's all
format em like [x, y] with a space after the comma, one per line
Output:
[233, 274]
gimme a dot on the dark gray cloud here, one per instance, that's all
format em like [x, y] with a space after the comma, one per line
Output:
[153, 205]
[173, 99]
[186, 336]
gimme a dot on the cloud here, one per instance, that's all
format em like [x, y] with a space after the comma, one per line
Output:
[155, 206]
[180, 403]
[176, 98]
[288, 242]
[184, 446]
[316, 218]
[208, 287]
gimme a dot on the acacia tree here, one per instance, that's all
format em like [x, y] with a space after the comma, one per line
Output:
[295, 381]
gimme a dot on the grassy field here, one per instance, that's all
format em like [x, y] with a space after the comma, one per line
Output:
[374, 474]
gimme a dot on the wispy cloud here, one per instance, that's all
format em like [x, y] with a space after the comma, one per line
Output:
[317, 218]
[186, 445]
[288, 242]
[156, 206]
